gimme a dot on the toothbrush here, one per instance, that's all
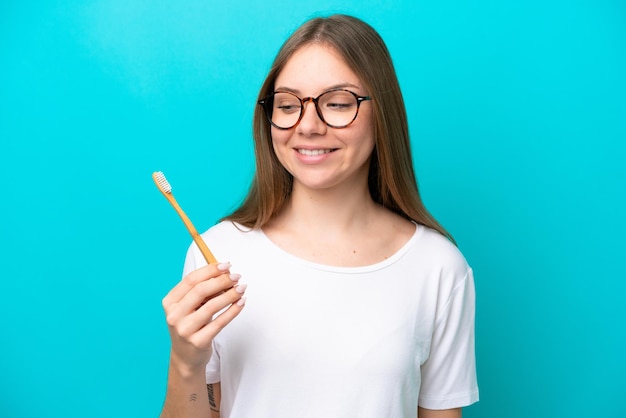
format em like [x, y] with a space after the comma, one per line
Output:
[166, 189]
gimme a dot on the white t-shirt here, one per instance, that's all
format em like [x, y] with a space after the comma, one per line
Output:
[340, 342]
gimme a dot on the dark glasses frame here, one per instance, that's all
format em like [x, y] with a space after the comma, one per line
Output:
[267, 103]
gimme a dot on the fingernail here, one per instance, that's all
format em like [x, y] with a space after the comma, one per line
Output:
[223, 266]
[241, 301]
[241, 288]
[234, 277]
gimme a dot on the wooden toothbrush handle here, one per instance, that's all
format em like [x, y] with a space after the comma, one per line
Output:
[208, 255]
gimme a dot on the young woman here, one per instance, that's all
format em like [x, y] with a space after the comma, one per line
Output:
[360, 305]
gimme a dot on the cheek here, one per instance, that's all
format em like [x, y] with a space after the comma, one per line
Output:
[368, 120]
[365, 118]
[279, 141]
[366, 132]
[279, 137]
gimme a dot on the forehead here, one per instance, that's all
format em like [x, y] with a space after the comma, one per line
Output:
[314, 68]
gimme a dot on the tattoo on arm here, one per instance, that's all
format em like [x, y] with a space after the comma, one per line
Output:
[193, 397]
[212, 403]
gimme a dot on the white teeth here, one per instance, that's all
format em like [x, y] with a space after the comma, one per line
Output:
[314, 151]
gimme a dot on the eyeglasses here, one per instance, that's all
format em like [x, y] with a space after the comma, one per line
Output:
[337, 108]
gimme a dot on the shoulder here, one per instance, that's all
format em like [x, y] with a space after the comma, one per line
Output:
[438, 246]
[438, 255]
[447, 278]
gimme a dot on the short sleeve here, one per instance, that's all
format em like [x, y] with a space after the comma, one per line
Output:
[449, 373]
[213, 367]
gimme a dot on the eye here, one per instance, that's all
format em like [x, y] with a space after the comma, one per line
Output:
[288, 107]
[338, 101]
[339, 105]
[286, 103]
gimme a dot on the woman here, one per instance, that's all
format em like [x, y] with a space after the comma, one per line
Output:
[359, 303]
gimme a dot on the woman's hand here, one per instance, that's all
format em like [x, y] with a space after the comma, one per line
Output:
[190, 308]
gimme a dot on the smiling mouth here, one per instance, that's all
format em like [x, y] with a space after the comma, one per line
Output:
[313, 152]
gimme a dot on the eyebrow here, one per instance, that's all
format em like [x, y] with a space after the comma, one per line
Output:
[334, 86]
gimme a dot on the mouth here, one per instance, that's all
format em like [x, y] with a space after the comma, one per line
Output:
[313, 152]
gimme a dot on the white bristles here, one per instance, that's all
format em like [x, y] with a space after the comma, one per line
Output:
[162, 182]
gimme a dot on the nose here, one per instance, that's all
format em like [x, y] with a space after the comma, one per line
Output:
[311, 123]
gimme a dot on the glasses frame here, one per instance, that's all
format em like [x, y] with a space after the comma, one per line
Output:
[265, 103]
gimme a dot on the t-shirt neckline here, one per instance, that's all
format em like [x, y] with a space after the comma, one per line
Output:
[346, 270]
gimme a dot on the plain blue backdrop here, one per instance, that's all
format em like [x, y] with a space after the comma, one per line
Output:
[518, 121]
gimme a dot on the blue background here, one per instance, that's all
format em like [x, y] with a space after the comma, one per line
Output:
[518, 119]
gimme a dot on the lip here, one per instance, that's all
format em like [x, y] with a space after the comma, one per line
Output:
[313, 155]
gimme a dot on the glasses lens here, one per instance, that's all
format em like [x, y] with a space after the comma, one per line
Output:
[286, 109]
[339, 107]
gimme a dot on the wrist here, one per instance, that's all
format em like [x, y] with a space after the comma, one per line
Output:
[186, 370]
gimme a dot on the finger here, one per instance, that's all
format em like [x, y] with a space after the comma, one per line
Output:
[215, 305]
[189, 281]
[203, 317]
[200, 294]
[204, 291]
[234, 278]
[210, 330]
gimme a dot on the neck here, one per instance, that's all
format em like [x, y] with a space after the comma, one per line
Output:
[339, 227]
[335, 209]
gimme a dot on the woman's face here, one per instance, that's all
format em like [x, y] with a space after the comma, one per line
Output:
[316, 155]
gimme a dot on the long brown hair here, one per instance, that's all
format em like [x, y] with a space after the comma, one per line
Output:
[392, 181]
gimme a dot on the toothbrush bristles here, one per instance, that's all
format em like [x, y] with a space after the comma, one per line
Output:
[162, 182]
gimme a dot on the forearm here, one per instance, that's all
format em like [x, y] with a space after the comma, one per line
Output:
[446, 413]
[196, 309]
[215, 397]
[186, 395]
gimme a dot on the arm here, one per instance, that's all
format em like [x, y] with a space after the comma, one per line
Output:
[215, 396]
[185, 394]
[190, 309]
[444, 413]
